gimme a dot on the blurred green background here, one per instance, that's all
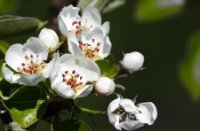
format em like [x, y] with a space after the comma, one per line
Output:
[163, 42]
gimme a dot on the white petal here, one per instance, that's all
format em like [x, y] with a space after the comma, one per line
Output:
[112, 107]
[91, 18]
[15, 56]
[86, 67]
[116, 123]
[105, 28]
[63, 90]
[89, 68]
[148, 113]
[9, 75]
[30, 80]
[37, 46]
[62, 25]
[128, 105]
[73, 46]
[50, 66]
[49, 37]
[66, 18]
[86, 90]
[131, 125]
[53, 73]
[107, 47]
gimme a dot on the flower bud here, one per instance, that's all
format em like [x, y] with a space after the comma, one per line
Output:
[50, 38]
[132, 61]
[105, 86]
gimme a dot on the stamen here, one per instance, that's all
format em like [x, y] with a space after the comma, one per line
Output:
[72, 79]
[30, 67]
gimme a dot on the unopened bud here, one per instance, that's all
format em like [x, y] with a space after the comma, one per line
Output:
[105, 86]
[132, 61]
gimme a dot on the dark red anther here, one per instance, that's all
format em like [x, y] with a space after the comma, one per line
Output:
[93, 40]
[23, 64]
[74, 22]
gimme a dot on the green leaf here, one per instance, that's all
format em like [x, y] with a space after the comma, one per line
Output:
[26, 105]
[113, 5]
[70, 125]
[102, 5]
[16, 25]
[152, 10]
[1, 63]
[108, 67]
[15, 127]
[4, 46]
[189, 68]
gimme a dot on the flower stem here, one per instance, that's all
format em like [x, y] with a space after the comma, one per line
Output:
[93, 112]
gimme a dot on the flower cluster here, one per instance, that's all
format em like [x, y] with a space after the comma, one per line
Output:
[77, 73]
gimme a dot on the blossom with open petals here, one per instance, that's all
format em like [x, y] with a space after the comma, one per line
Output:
[70, 21]
[124, 114]
[27, 64]
[86, 32]
[91, 44]
[73, 76]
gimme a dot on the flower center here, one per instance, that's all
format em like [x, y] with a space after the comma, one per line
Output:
[77, 27]
[90, 51]
[31, 66]
[73, 79]
[123, 114]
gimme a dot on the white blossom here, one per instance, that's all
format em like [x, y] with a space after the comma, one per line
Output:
[105, 86]
[86, 32]
[132, 61]
[70, 21]
[92, 44]
[26, 64]
[74, 76]
[124, 114]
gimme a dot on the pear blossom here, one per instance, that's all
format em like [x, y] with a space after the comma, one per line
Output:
[86, 32]
[132, 61]
[70, 21]
[27, 64]
[91, 44]
[124, 114]
[73, 76]
[105, 86]
[50, 38]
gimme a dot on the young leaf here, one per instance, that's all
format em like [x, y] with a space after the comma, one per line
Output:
[102, 5]
[4, 46]
[26, 105]
[108, 67]
[189, 68]
[152, 10]
[1, 63]
[16, 25]
[13, 126]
